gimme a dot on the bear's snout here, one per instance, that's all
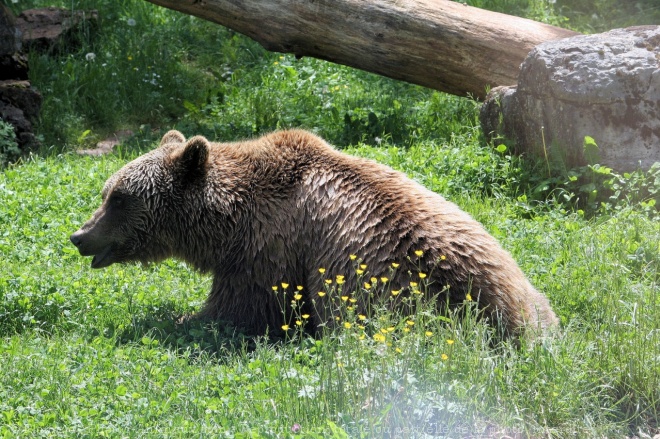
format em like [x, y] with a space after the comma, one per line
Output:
[76, 238]
[89, 246]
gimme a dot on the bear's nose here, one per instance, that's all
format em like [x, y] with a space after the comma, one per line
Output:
[76, 238]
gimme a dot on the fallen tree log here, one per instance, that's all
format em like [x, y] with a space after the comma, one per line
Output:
[439, 44]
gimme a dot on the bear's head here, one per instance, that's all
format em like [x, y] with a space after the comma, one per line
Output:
[140, 213]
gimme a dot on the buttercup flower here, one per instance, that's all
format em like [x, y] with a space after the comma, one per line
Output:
[352, 257]
[444, 357]
[321, 270]
[419, 252]
[297, 296]
[285, 327]
[428, 333]
[285, 285]
[422, 275]
[321, 293]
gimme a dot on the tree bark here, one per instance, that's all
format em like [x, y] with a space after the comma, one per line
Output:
[439, 44]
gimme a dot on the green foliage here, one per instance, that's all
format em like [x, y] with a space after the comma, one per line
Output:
[9, 149]
[595, 188]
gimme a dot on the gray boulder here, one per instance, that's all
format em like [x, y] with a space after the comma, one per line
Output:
[606, 86]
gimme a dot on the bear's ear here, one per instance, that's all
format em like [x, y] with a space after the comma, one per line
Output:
[172, 136]
[191, 159]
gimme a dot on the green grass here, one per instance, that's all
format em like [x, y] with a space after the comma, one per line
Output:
[88, 353]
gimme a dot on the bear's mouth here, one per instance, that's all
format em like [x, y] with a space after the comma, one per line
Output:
[103, 259]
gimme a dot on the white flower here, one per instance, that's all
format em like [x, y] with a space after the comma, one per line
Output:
[131, 22]
[91, 56]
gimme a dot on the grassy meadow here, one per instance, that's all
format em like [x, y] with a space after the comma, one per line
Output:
[86, 353]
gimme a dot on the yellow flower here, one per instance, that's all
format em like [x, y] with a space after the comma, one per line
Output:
[353, 257]
[361, 337]
[379, 337]
[362, 317]
[321, 270]
[468, 297]
[428, 333]
[419, 252]
[367, 286]
[344, 298]
[390, 329]
[275, 63]
[298, 322]
[443, 257]
[321, 293]
[297, 296]
[406, 329]
[299, 287]
[422, 275]
[305, 316]
[413, 284]
[395, 292]
[340, 281]
[384, 279]
[374, 280]
[450, 342]
[395, 265]
[285, 285]
[417, 291]
[130, 58]
[361, 326]
[285, 327]
[383, 330]
[363, 266]
[398, 350]
[360, 272]
[274, 287]
[347, 325]
[410, 322]
[352, 300]
[350, 308]
[444, 357]
[328, 281]
[337, 318]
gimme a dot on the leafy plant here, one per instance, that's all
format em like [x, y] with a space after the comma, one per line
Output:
[9, 149]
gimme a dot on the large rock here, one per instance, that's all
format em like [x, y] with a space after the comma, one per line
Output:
[50, 28]
[606, 86]
[19, 101]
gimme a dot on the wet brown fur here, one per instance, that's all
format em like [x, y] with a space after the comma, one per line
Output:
[278, 208]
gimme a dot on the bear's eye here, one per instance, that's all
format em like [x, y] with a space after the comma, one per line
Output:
[116, 200]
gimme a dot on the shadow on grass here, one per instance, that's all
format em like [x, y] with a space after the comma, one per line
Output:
[188, 333]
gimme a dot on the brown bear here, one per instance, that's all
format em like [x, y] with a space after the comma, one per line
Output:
[280, 208]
